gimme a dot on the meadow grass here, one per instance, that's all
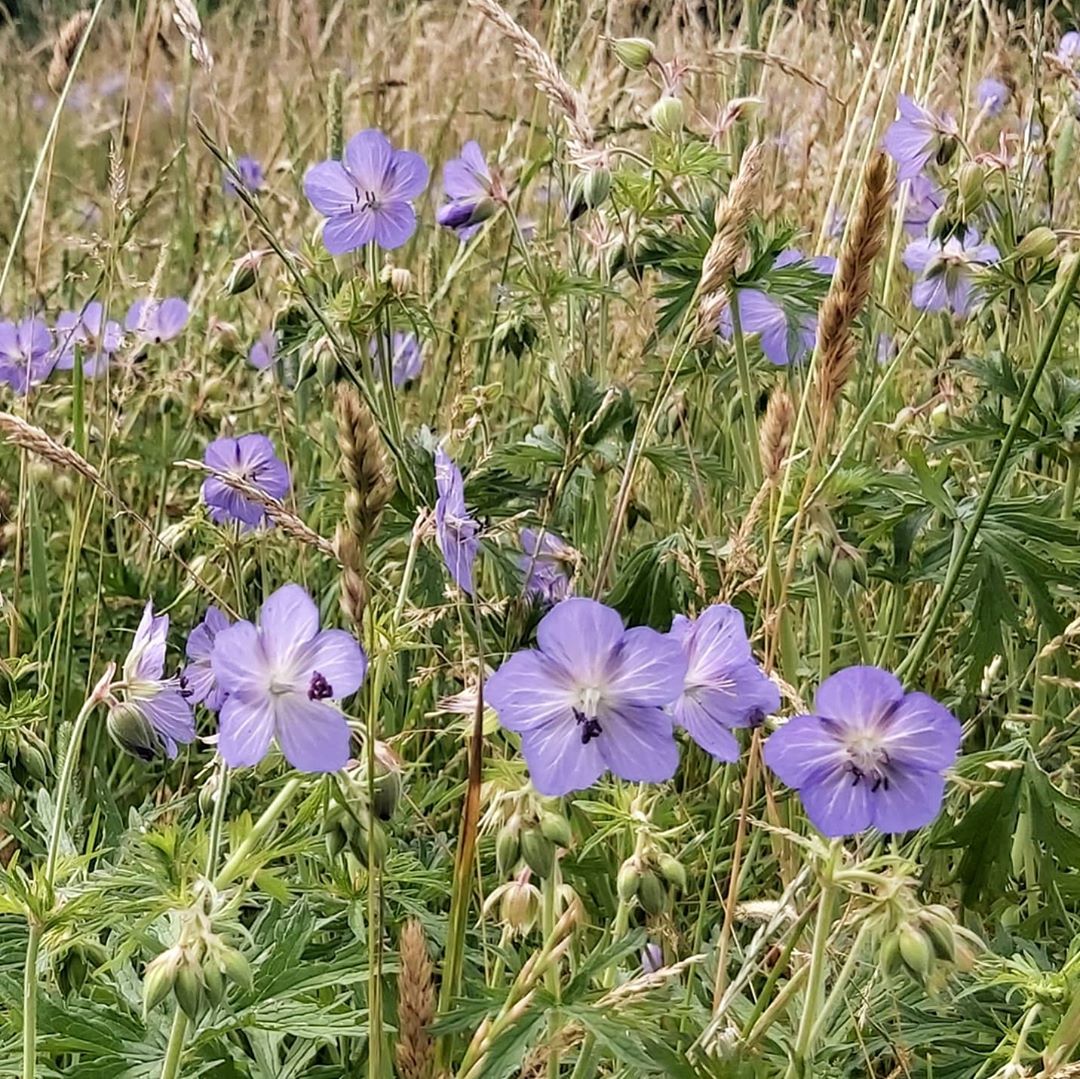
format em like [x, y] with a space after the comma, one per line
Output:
[598, 355]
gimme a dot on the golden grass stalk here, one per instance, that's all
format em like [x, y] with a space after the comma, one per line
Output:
[415, 1051]
[775, 438]
[851, 285]
[547, 77]
[369, 487]
[64, 49]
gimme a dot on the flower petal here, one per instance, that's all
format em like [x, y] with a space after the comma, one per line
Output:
[314, 736]
[330, 189]
[287, 620]
[638, 744]
[705, 728]
[246, 726]
[837, 806]
[394, 222]
[559, 762]
[802, 750]
[580, 634]
[409, 175]
[921, 733]
[650, 669]
[239, 663]
[530, 691]
[336, 655]
[348, 232]
[858, 696]
[170, 715]
[912, 799]
[368, 157]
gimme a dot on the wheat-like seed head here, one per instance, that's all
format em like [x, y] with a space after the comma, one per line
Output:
[65, 46]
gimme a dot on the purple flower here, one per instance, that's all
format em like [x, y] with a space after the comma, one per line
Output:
[1068, 49]
[652, 958]
[546, 566]
[916, 137]
[88, 329]
[469, 188]
[871, 755]
[591, 698]
[924, 199]
[724, 686]
[406, 357]
[26, 354]
[263, 350]
[992, 96]
[197, 678]
[367, 195]
[946, 271]
[157, 320]
[279, 678]
[250, 173]
[250, 458]
[155, 713]
[784, 340]
[455, 531]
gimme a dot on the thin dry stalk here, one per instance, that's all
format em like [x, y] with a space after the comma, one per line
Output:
[851, 286]
[64, 48]
[547, 77]
[28, 437]
[369, 487]
[782, 63]
[731, 218]
[186, 17]
[415, 1051]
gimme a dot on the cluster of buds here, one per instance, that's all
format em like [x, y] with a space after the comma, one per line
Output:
[1035, 253]
[24, 750]
[397, 278]
[532, 833]
[20, 708]
[827, 552]
[962, 202]
[197, 970]
[926, 944]
[588, 191]
[649, 876]
[354, 823]
[518, 901]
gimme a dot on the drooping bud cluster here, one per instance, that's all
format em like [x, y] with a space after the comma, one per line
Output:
[532, 832]
[197, 970]
[650, 876]
[926, 945]
[351, 823]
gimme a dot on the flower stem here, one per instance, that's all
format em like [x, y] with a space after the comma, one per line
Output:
[30, 1000]
[910, 668]
[171, 1068]
[232, 867]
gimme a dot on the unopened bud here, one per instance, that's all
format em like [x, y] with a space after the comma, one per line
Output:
[971, 182]
[556, 828]
[946, 149]
[160, 977]
[588, 191]
[520, 906]
[398, 278]
[508, 845]
[915, 950]
[33, 760]
[132, 731]
[1039, 243]
[244, 273]
[628, 880]
[651, 893]
[667, 115]
[634, 53]
[538, 852]
[188, 985]
[672, 870]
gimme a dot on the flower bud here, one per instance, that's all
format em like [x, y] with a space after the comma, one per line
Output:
[160, 978]
[508, 845]
[971, 182]
[214, 982]
[132, 731]
[667, 115]
[188, 985]
[237, 969]
[628, 880]
[672, 870]
[915, 951]
[588, 191]
[556, 828]
[244, 272]
[33, 760]
[940, 225]
[398, 278]
[946, 149]
[1039, 243]
[651, 894]
[387, 781]
[938, 923]
[634, 53]
[538, 852]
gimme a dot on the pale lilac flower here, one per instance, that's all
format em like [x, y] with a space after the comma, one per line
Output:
[470, 190]
[197, 678]
[591, 698]
[724, 685]
[917, 137]
[1068, 50]
[26, 354]
[946, 271]
[652, 958]
[783, 339]
[924, 199]
[455, 531]
[264, 350]
[280, 679]
[406, 357]
[156, 321]
[250, 458]
[869, 756]
[95, 336]
[991, 95]
[546, 566]
[367, 196]
[154, 714]
[250, 174]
